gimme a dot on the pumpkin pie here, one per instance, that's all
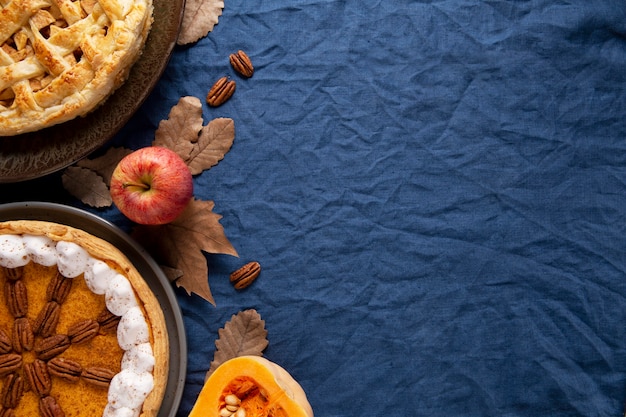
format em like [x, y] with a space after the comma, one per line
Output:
[81, 333]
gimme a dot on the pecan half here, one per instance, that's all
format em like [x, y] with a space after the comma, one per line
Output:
[48, 407]
[83, 331]
[12, 391]
[245, 275]
[241, 63]
[23, 337]
[47, 320]
[65, 368]
[16, 298]
[108, 321]
[14, 274]
[38, 377]
[5, 343]
[221, 91]
[7, 412]
[9, 363]
[58, 288]
[51, 346]
[100, 377]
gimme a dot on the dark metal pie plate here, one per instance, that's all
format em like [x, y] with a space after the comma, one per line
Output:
[148, 268]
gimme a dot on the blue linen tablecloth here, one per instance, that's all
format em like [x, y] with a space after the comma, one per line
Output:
[436, 191]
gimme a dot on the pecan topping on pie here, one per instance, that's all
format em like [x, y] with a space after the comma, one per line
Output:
[65, 368]
[60, 351]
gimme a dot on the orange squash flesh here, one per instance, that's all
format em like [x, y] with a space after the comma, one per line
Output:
[262, 388]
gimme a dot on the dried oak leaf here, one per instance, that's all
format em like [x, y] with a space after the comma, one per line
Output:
[182, 128]
[89, 179]
[87, 186]
[215, 141]
[179, 245]
[105, 165]
[172, 274]
[244, 334]
[199, 18]
[201, 147]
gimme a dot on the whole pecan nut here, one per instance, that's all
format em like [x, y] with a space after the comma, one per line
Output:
[5, 343]
[97, 376]
[38, 377]
[16, 298]
[220, 92]
[58, 288]
[241, 63]
[47, 320]
[65, 368]
[83, 331]
[108, 321]
[245, 275]
[9, 363]
[14, 274]
[48, 407]
[23, 337]
[51, 346]
[12, 391]
[7, 412]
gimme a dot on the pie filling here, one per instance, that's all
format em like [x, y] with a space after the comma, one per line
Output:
[61, 59]
[76, 345]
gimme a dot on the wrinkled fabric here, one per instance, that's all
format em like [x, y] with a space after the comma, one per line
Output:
[436, 192]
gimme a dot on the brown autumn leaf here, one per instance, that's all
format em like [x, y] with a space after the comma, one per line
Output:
[89, 179]
[201, 147]
[244, 334]
[181, 131]
[180, 245]
[105, 165]
[181, 257]
[172, 274]
[87, 186]
[215, 141]
[199, 18]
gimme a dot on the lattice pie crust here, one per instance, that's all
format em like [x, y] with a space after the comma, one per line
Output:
[60, 59]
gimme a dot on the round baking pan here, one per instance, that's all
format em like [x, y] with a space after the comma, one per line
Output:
[144, 263]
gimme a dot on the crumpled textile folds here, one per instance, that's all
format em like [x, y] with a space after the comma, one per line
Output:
[436, 192]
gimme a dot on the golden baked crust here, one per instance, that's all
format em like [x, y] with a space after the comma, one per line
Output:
[60, 59]
[82, 303]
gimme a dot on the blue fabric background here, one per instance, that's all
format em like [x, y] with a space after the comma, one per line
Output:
[436, 191]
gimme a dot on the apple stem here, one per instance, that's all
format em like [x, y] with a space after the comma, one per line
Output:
[132, 184]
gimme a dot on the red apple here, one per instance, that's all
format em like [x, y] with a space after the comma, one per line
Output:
[152, 185]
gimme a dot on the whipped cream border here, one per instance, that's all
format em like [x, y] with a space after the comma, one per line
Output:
[130, 387]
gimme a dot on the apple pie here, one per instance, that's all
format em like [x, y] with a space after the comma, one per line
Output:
[61, 59]
[81, 333]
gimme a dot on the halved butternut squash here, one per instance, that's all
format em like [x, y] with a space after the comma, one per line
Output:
[251, 386]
